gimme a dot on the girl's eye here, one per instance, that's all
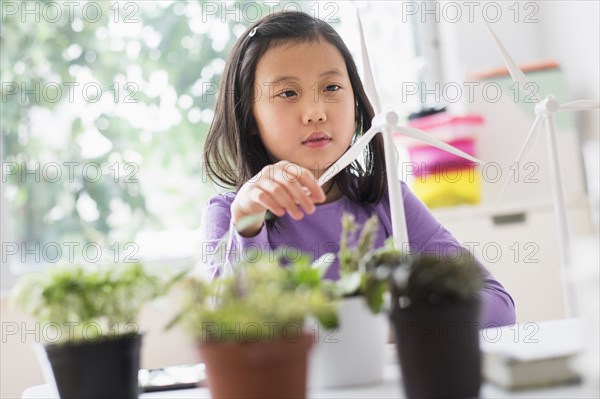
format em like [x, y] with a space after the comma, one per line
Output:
[332, 87]
[287, 93]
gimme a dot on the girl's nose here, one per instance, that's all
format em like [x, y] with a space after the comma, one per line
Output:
[314, 110]
[314, 113]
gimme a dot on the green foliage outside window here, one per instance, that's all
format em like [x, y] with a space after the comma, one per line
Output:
[78, 167]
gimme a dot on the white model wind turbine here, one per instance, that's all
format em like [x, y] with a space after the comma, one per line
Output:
[545, 110]
[385, 123]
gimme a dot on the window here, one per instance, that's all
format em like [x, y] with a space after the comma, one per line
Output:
[105, 107]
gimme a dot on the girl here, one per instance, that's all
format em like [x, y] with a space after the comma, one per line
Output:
[290, 104]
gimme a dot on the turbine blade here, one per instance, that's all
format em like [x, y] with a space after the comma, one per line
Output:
[579, 105]
[516, 74]
[368, 78]
[523, 154]
[427, 138]
[349, 156]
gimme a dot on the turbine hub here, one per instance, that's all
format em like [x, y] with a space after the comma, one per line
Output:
[547, 106]
[391, 118]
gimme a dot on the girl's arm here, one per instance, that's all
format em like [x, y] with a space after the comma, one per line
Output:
[222, 245]
[280, 188]
[429, 235]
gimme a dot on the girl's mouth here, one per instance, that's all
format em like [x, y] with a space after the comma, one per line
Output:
[317, 139]
[317, 142]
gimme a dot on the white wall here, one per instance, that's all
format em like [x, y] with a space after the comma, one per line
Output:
[571, 33]
[565, 31]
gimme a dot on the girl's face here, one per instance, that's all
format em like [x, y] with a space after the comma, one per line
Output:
[304, 104]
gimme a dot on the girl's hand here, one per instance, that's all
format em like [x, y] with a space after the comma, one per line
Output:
[278, 188]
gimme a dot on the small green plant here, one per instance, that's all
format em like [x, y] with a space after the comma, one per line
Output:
[356, 274]
[434, 279]
[265, 299]
[90, 301]
[425, 278]
[350, 256]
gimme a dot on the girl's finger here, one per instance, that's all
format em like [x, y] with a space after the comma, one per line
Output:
[302, 197]
[281, 195]
[265, 200]
[304, 177]
[296, 191]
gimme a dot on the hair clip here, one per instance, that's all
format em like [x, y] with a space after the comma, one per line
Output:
[253, 31]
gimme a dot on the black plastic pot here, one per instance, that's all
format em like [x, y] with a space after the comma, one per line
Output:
[103, 368]
[438, 349]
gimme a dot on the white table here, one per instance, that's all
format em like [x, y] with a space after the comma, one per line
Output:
[391, 386]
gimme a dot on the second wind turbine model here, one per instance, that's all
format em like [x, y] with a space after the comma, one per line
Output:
[545, 110]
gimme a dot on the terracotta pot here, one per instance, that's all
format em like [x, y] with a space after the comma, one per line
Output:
[104, 368]
[353, 354]
[271, 369]
[438, 350]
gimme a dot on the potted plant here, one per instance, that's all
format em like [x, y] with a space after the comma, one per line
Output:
[435, 314]
[250, 325]
[89, 314]
[355, 353]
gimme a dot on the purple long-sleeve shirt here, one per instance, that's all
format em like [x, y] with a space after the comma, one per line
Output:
[320, 233]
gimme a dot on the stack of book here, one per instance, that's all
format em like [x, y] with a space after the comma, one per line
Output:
[533, 354]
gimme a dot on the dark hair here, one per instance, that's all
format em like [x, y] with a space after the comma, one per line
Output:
[233, 154]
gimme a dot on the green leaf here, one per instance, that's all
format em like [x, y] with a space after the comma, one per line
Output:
[374, 292]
